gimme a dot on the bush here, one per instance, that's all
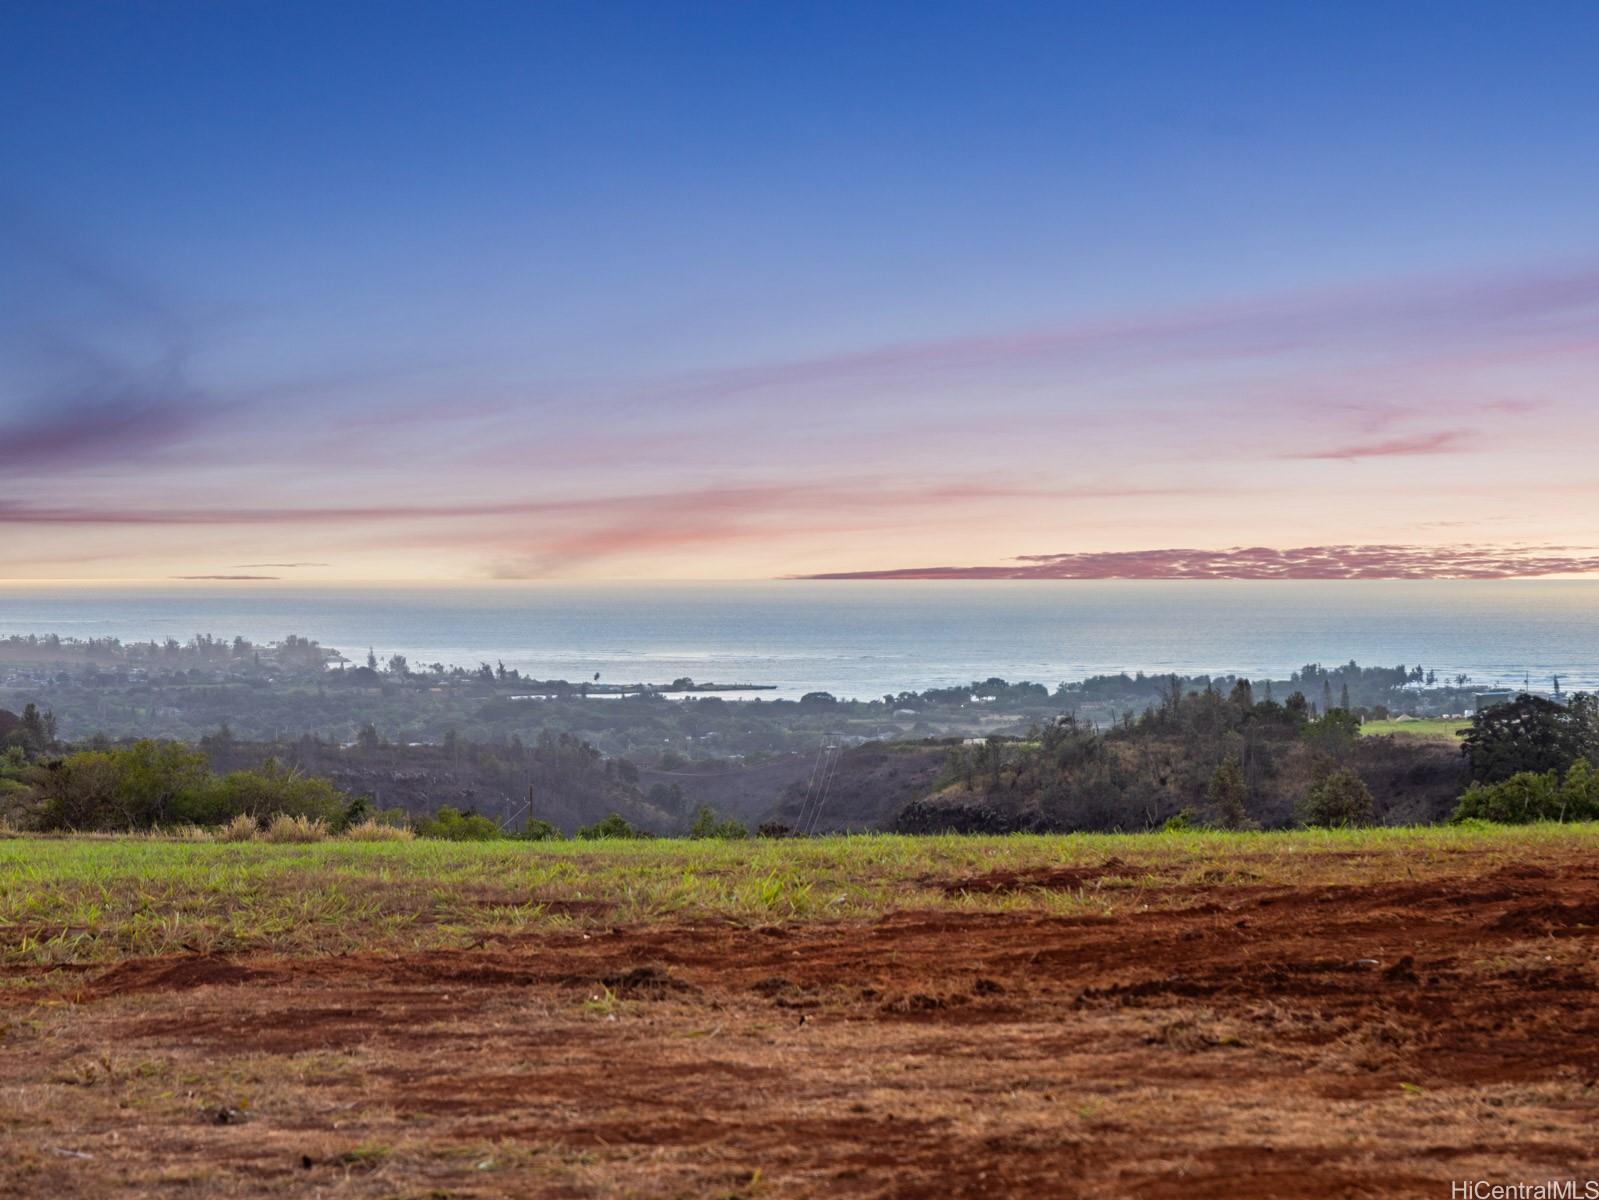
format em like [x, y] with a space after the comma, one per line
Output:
[299, 828]
[1338, 800]
[152, 784]
[269, 790]
[452, 825]
[1182, 822]
[614, 826]
[128, 787]
[539, 831]
[1579, 793]
[371, 830]
[1534, 796]
[708, 825]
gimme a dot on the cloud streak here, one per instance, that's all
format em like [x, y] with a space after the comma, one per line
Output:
[1259, 562]
[1446, 441]
[687, 501]
[1527, 310]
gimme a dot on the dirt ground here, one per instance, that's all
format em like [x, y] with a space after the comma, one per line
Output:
[1230, 1039]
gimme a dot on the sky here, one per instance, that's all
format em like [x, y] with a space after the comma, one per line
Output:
[479, 291]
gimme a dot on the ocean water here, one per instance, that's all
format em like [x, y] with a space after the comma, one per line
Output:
[866, 638]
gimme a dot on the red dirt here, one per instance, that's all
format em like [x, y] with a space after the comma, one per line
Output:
[1046, 878]
[1264, 1041]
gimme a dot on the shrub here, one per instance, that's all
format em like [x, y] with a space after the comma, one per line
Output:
[152, 784]
[452, 825]
[1534, 796]
[1337, 800]
[298, 828]
[370, 830]
[614, 826]
[708, 825]
[1579, 793]
[1181, 822]
[128, 787]
[241, 828]
[269, 790]
[539, 831]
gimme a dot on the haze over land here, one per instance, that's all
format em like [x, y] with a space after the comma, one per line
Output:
[745, 292]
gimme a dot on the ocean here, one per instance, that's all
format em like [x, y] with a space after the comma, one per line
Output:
[868, 638]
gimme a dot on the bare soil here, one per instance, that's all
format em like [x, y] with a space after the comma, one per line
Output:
[1231, 1039]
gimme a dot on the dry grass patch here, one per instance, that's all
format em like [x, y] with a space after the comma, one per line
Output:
[284, 828]
[376, 831]
[242, 828]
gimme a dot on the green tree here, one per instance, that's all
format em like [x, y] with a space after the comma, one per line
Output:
[1333, 733]
[1227, 794]
[1531, 733]
[1338, 799]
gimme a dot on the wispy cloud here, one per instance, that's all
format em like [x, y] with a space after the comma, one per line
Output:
[1529, 310]
[1447, 441]
[693, 501]
[115, 418]
[1259, 562]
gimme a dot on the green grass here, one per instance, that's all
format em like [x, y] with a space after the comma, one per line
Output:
[84, 900]
[1431, 728]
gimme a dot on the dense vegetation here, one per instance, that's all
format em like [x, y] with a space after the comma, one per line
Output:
[278, 693]
[1232, 761]
[536, 758]
[152, 784]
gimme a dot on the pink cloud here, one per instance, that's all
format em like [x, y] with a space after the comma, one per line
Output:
[686, 501]
[1260, 562]
[1512, 312]
[1447, 441]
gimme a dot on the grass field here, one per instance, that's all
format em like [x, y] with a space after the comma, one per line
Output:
[1369, 1012]
[88, 900]
[1440, 729]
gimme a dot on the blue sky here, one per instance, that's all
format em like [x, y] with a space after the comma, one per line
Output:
[270, 257]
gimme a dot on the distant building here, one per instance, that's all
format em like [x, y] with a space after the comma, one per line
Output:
[1487, 700]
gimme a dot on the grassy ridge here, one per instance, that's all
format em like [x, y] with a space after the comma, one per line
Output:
[85, 900]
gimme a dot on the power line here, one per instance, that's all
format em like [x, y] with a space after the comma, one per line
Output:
[827, 785]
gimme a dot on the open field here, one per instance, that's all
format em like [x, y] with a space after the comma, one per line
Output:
[1444, 729]
[1371, 1013]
